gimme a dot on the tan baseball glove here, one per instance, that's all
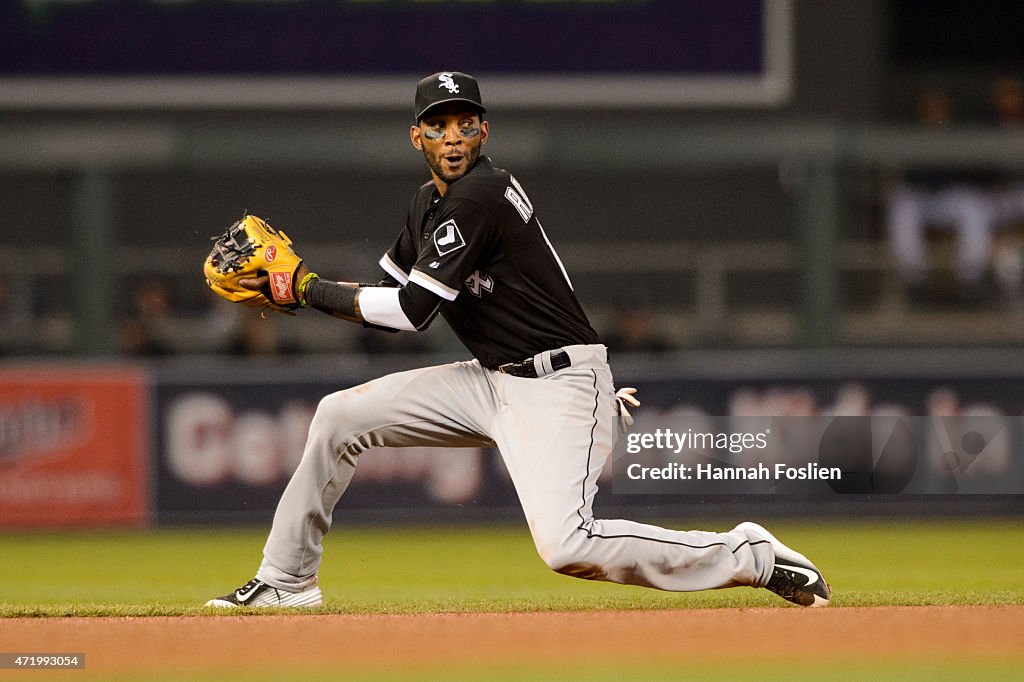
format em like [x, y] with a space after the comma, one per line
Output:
[250, 250]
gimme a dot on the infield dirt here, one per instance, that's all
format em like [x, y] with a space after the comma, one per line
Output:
[431, 644]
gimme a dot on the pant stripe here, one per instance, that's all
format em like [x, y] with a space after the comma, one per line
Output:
[583, 501]
[590, 450]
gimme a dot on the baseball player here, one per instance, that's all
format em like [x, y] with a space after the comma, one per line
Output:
[538, 387]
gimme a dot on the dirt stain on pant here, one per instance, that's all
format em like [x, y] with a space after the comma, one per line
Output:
[584, 570]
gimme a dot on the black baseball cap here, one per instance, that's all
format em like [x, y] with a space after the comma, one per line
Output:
[446, 86]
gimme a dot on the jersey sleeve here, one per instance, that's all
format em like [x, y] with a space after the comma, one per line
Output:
[464, 230]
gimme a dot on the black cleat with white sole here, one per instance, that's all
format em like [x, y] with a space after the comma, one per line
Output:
[794, 577]
[257, 593]
[802, 585]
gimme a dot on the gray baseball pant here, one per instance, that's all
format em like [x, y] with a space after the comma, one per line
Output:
[554, 432]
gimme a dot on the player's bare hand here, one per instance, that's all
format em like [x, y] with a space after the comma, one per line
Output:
[257, 283]
[254, 284]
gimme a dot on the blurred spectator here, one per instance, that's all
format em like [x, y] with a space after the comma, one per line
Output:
[20, 332]
[955, 202]
[1007, 100]
[979, 207]
[852, 400]
[6, 340]
[1008, 271]
[934, 107]
[635, 330]
[148, 328]
[258, 333]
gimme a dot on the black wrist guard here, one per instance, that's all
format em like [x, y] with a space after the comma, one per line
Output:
[334, 298]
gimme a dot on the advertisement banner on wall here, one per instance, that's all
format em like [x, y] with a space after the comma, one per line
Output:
[225, 451]
[73, 447]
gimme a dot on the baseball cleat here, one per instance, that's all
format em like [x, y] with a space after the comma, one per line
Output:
[794, 577]
[257, 593]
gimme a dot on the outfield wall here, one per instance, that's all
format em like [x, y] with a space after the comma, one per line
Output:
[210, 440]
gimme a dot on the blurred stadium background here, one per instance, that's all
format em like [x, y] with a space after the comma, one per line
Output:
[722, 181]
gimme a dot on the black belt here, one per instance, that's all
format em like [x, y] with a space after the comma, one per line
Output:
[528, 368]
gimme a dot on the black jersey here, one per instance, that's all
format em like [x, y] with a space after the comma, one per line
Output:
[482, 249]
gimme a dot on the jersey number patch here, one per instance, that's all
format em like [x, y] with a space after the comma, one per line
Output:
[479, 282]
[517, 197]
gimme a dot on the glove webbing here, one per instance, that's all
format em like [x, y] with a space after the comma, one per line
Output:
[233, 249]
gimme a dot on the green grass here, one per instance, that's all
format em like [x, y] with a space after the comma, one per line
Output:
[944, 670]
[494, 569]
[171, 572]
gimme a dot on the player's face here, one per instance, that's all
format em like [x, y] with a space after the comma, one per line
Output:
[450, 139]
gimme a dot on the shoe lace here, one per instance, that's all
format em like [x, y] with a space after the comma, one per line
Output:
[786, 584]
[249, 585]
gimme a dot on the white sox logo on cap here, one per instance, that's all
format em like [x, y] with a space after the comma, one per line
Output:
[447, 81]
[446, 86]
